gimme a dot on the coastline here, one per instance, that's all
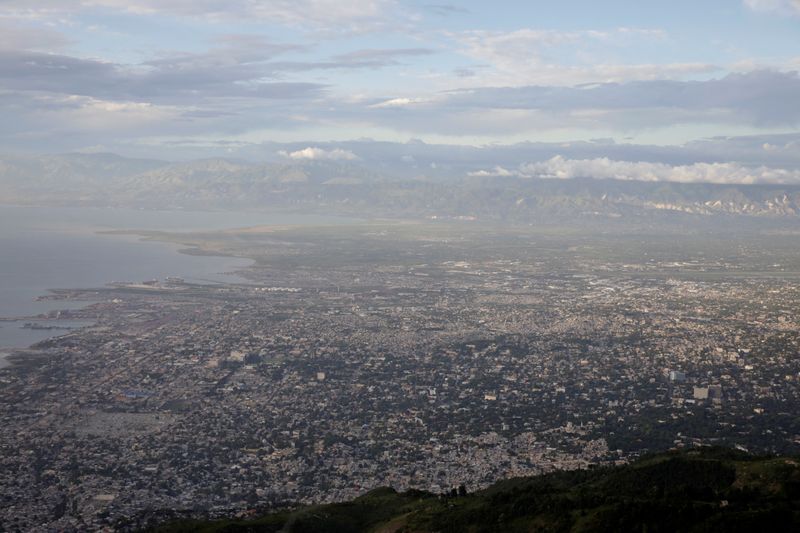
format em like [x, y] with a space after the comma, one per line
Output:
[124, 245]
[43, 330]
[24, 354]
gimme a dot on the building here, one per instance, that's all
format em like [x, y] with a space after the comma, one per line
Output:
[700, 393]
[677, 376]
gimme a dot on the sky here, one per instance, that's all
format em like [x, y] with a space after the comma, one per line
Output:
[141, 76]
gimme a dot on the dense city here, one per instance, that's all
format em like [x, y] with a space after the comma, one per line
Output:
[411, 355]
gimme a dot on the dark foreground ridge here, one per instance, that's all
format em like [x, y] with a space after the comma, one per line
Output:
[710, 489]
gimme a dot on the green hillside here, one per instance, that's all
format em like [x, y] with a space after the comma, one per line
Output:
[697, 490]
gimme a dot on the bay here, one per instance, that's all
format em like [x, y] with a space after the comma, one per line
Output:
[43, 248]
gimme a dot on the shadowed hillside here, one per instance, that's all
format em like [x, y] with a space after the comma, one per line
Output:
[697, 490]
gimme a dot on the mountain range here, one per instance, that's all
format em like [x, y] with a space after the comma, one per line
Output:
[356, 187]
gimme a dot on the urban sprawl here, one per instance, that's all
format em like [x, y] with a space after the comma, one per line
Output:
[423, 356]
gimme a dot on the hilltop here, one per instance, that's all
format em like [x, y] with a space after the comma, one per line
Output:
[709, 489]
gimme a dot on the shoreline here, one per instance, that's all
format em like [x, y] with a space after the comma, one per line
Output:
[171, 240]
[10, 354]
[15, 356]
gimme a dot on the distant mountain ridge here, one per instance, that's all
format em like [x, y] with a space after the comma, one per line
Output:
[355, 187]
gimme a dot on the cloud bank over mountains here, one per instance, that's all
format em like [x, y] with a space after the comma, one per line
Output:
[604, 168]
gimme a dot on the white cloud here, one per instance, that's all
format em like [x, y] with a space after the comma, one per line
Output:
[604, 168]
[314, 153]
[496, 172]
[398, 102]
[780, 6]
[331, 15]
[19, 37]
[763, 99]
[524, 57]
[56, 120]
